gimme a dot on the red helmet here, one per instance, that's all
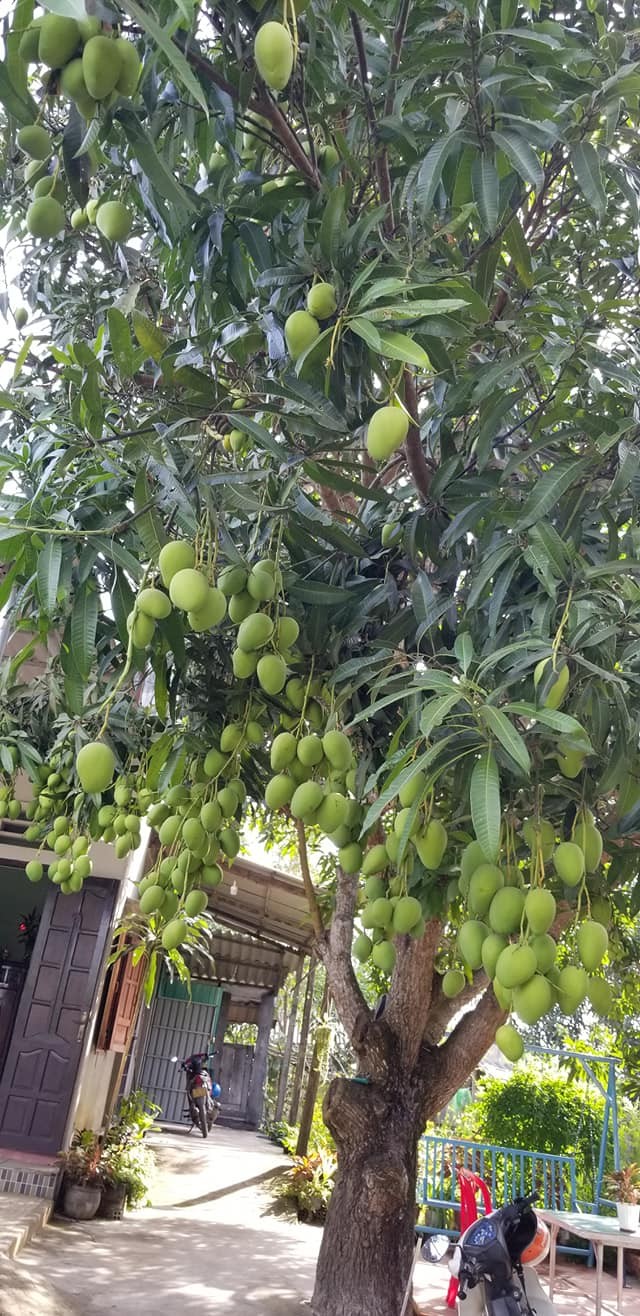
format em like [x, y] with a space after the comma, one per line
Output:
[538, 1248]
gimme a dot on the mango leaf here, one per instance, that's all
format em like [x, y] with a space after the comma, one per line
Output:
[503, 729]
[21, 107]
[399, 347]
[463, 649]
[486, 191]
[417, 310]
[163, 40]
[76, 164]
[518, 249]
[17, 69]
[48, 573]
[128, 358]
[148, 523]
[436, 710]
[394, 786]
[549, 490]
[361, 326]
[333, 229]
[430, 171]
[84, 621]
[486, 811]
[162, 179]
[522, 156]
[66, 8]
[552, 718]
[586, 167]
[151, 338]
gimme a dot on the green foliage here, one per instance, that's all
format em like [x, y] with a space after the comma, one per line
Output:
[541, 1112]
[309, 1183]
[125, 1157]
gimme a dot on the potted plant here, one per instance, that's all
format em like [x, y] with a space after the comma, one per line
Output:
[126, 1163]
[81, 1183]
[624, 1186]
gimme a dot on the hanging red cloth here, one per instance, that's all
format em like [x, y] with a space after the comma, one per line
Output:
[470, 1185]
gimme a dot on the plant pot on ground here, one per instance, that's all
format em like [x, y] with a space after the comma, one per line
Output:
[624, 1186]
[81, 1183]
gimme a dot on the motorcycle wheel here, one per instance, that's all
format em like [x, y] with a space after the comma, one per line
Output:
[201, 1110]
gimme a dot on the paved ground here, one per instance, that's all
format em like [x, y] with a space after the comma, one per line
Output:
[211, 1244]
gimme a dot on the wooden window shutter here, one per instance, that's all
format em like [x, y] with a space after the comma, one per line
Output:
[121, 1004]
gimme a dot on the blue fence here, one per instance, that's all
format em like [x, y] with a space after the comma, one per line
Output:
[507, 1171]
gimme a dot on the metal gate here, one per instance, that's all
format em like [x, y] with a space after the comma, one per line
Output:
[234, 1077]
[179, 1026]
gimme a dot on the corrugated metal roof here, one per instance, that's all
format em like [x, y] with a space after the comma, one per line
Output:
[244, 962]
[267, 904]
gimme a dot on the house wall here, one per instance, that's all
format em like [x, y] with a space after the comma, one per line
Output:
[98, 1075]
[18, 897]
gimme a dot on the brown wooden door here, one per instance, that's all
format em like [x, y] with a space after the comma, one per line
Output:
[39, 1076]
[234, 1077]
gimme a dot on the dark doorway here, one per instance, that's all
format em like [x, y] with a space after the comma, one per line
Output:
[39, 1075]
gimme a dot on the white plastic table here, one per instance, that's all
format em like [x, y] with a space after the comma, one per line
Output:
[600, 1230]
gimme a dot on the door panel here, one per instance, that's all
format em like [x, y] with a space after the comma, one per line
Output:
[39, 1076]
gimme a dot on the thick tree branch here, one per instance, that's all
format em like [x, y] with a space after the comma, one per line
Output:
[445, 1008]
[463, 1050]
[310, 891]
[262, 104]
[410, 993]
[335, 953]
[380, 156]
[416, 460]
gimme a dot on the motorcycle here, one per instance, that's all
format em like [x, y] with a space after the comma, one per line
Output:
[203, 1095]
[494, 1261]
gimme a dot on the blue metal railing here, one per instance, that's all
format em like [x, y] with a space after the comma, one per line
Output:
[508, 1172]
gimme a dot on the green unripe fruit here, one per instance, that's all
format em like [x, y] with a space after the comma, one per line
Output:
[272, 673]
[274, 55]
[505, 910]
[175, 932]
[386, 432]
[502, 994]
[91, 210]
[241, 606]
[194, 835]
[142, 629]
[154, 603]
[21, 315]
[516, 965]
[83, 866]
[45, 218]
[72, 83]
[279, 791]
[283, 751]
[79, 218]
[232, 580]
[587, 836]
[485, 882]
[152, 900]
[559, 685]
[29, 42]
[243, 664]
[229, 842]
[122, 847]
[169, 829]
[453, 983]
[431, 844]
[471, 937]
[211, 875]
[102, 66]
[568, 861]
[510, 1043]
[384, 956]
[404, 819]
[337, 749]
[600, 996]
[571, 763]
[64, 869]
[175, 556]
[211, 614]
[332, 813]
[321, 301]
[34, 140]
[211, 816]
[492, 948]
[189, 590]
[95, 766]
[196, 903]
[60, 825]
[315, 715]
[572, 988]
[412, 790]
[261, 586]
[601, 910]
[170, 907]
[114, 221]
[391, 534]
[375, 860]
[88, 28]
[380, 913]
[62, 844]
[214, 762]
[35, 170]
[130, 67]
[295, 692]
[59, 40]
[533, 1000]
[545, 950]
[232, 737]
[374, 888]
[287, 632]
[540, 909]
[593, 944]
[406, 914]
[306, 799]
[328, 157]
[228, 801]
[34, 870]
[472, 857]
[543, 835]
[301, 330]
[350, 857]
[254, 632]
[362, 947]
[310, 750]
[50, 187]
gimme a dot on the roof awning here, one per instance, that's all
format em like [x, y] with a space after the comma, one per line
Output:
[267, 903]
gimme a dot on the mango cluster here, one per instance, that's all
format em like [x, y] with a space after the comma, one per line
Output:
[302, 327]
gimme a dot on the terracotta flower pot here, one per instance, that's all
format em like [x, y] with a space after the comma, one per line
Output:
[80, 1201]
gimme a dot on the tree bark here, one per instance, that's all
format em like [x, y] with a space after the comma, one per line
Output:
[304, 1038]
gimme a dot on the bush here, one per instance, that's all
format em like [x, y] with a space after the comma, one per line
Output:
[309, 1183]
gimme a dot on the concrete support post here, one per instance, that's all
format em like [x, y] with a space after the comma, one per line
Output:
[288, 1044]
[255, 1100]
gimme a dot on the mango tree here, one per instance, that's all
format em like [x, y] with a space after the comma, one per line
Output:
[320, 478]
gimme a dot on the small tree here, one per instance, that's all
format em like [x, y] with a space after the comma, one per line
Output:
[454, 190]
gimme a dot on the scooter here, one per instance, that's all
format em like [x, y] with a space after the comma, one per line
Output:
[493, 1261]
[203, 1095]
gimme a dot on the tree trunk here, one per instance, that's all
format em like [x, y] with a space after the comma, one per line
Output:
[367, 1247]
